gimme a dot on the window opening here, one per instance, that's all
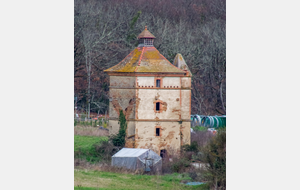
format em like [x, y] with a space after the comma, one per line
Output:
[141, 41]
[145, 42]
[157, 131]
[163, 153]
[157, 83]
[157, 106]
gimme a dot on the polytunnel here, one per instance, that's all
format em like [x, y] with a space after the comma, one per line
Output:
[135, 159]
[208, 121]
[196, 120]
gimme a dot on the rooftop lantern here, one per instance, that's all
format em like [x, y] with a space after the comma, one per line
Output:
[146, 38]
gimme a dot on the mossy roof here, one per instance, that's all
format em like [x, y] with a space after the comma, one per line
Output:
[145, 59]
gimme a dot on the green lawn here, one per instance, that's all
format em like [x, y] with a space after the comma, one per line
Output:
[92, 180]
[86, 142]
[83, 147]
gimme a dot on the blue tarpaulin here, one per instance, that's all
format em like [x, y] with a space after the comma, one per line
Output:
[194, 183]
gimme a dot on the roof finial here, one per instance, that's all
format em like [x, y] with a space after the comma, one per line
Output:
[146, 27]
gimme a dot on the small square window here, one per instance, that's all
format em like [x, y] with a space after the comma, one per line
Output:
[158, 83]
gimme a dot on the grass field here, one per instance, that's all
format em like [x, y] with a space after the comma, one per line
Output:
[92, 180]
[83, 147]
[85, 143]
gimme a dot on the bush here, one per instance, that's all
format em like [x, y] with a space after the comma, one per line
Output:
[104, 150]
[202, 138]
[215, 156]
[176, 162]
[193, 147]
[199, 128]
[179, 164]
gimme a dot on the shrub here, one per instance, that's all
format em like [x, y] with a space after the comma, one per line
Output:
[179, 164]
[175, 162]
[104, 150]
[199, 128]
[193, 147]
[202, 138]
[215, 156]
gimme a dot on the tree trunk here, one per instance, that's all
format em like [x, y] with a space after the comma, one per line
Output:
[221, 95]
[89, 88]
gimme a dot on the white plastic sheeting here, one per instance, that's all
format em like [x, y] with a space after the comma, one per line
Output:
[134, 158]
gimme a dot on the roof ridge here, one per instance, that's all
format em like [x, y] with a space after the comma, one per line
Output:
[140, 59]
[170, 62]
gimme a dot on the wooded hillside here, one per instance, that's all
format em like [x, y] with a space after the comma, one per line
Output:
[105, 32]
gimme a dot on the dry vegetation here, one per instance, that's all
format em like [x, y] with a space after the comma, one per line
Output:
[89, 131]
[105, 33]
[104, 166]
[201, 137]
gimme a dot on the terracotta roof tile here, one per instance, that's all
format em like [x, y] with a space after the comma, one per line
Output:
[145, 59]
[145, 34]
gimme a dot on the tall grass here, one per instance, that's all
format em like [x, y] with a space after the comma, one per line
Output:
[89, 131]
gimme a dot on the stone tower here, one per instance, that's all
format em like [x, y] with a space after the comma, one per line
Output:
[155, 96]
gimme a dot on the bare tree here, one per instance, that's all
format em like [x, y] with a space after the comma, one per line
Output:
[105, 32]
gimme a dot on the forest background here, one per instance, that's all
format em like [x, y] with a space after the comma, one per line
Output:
[105, 32]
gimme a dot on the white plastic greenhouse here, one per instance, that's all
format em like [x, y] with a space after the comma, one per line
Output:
[135, 158]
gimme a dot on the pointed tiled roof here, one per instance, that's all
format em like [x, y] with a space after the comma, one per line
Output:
[145, 34]
[181, 64]
[145, 59]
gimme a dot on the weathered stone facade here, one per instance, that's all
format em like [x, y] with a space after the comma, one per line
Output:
[158, 116]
